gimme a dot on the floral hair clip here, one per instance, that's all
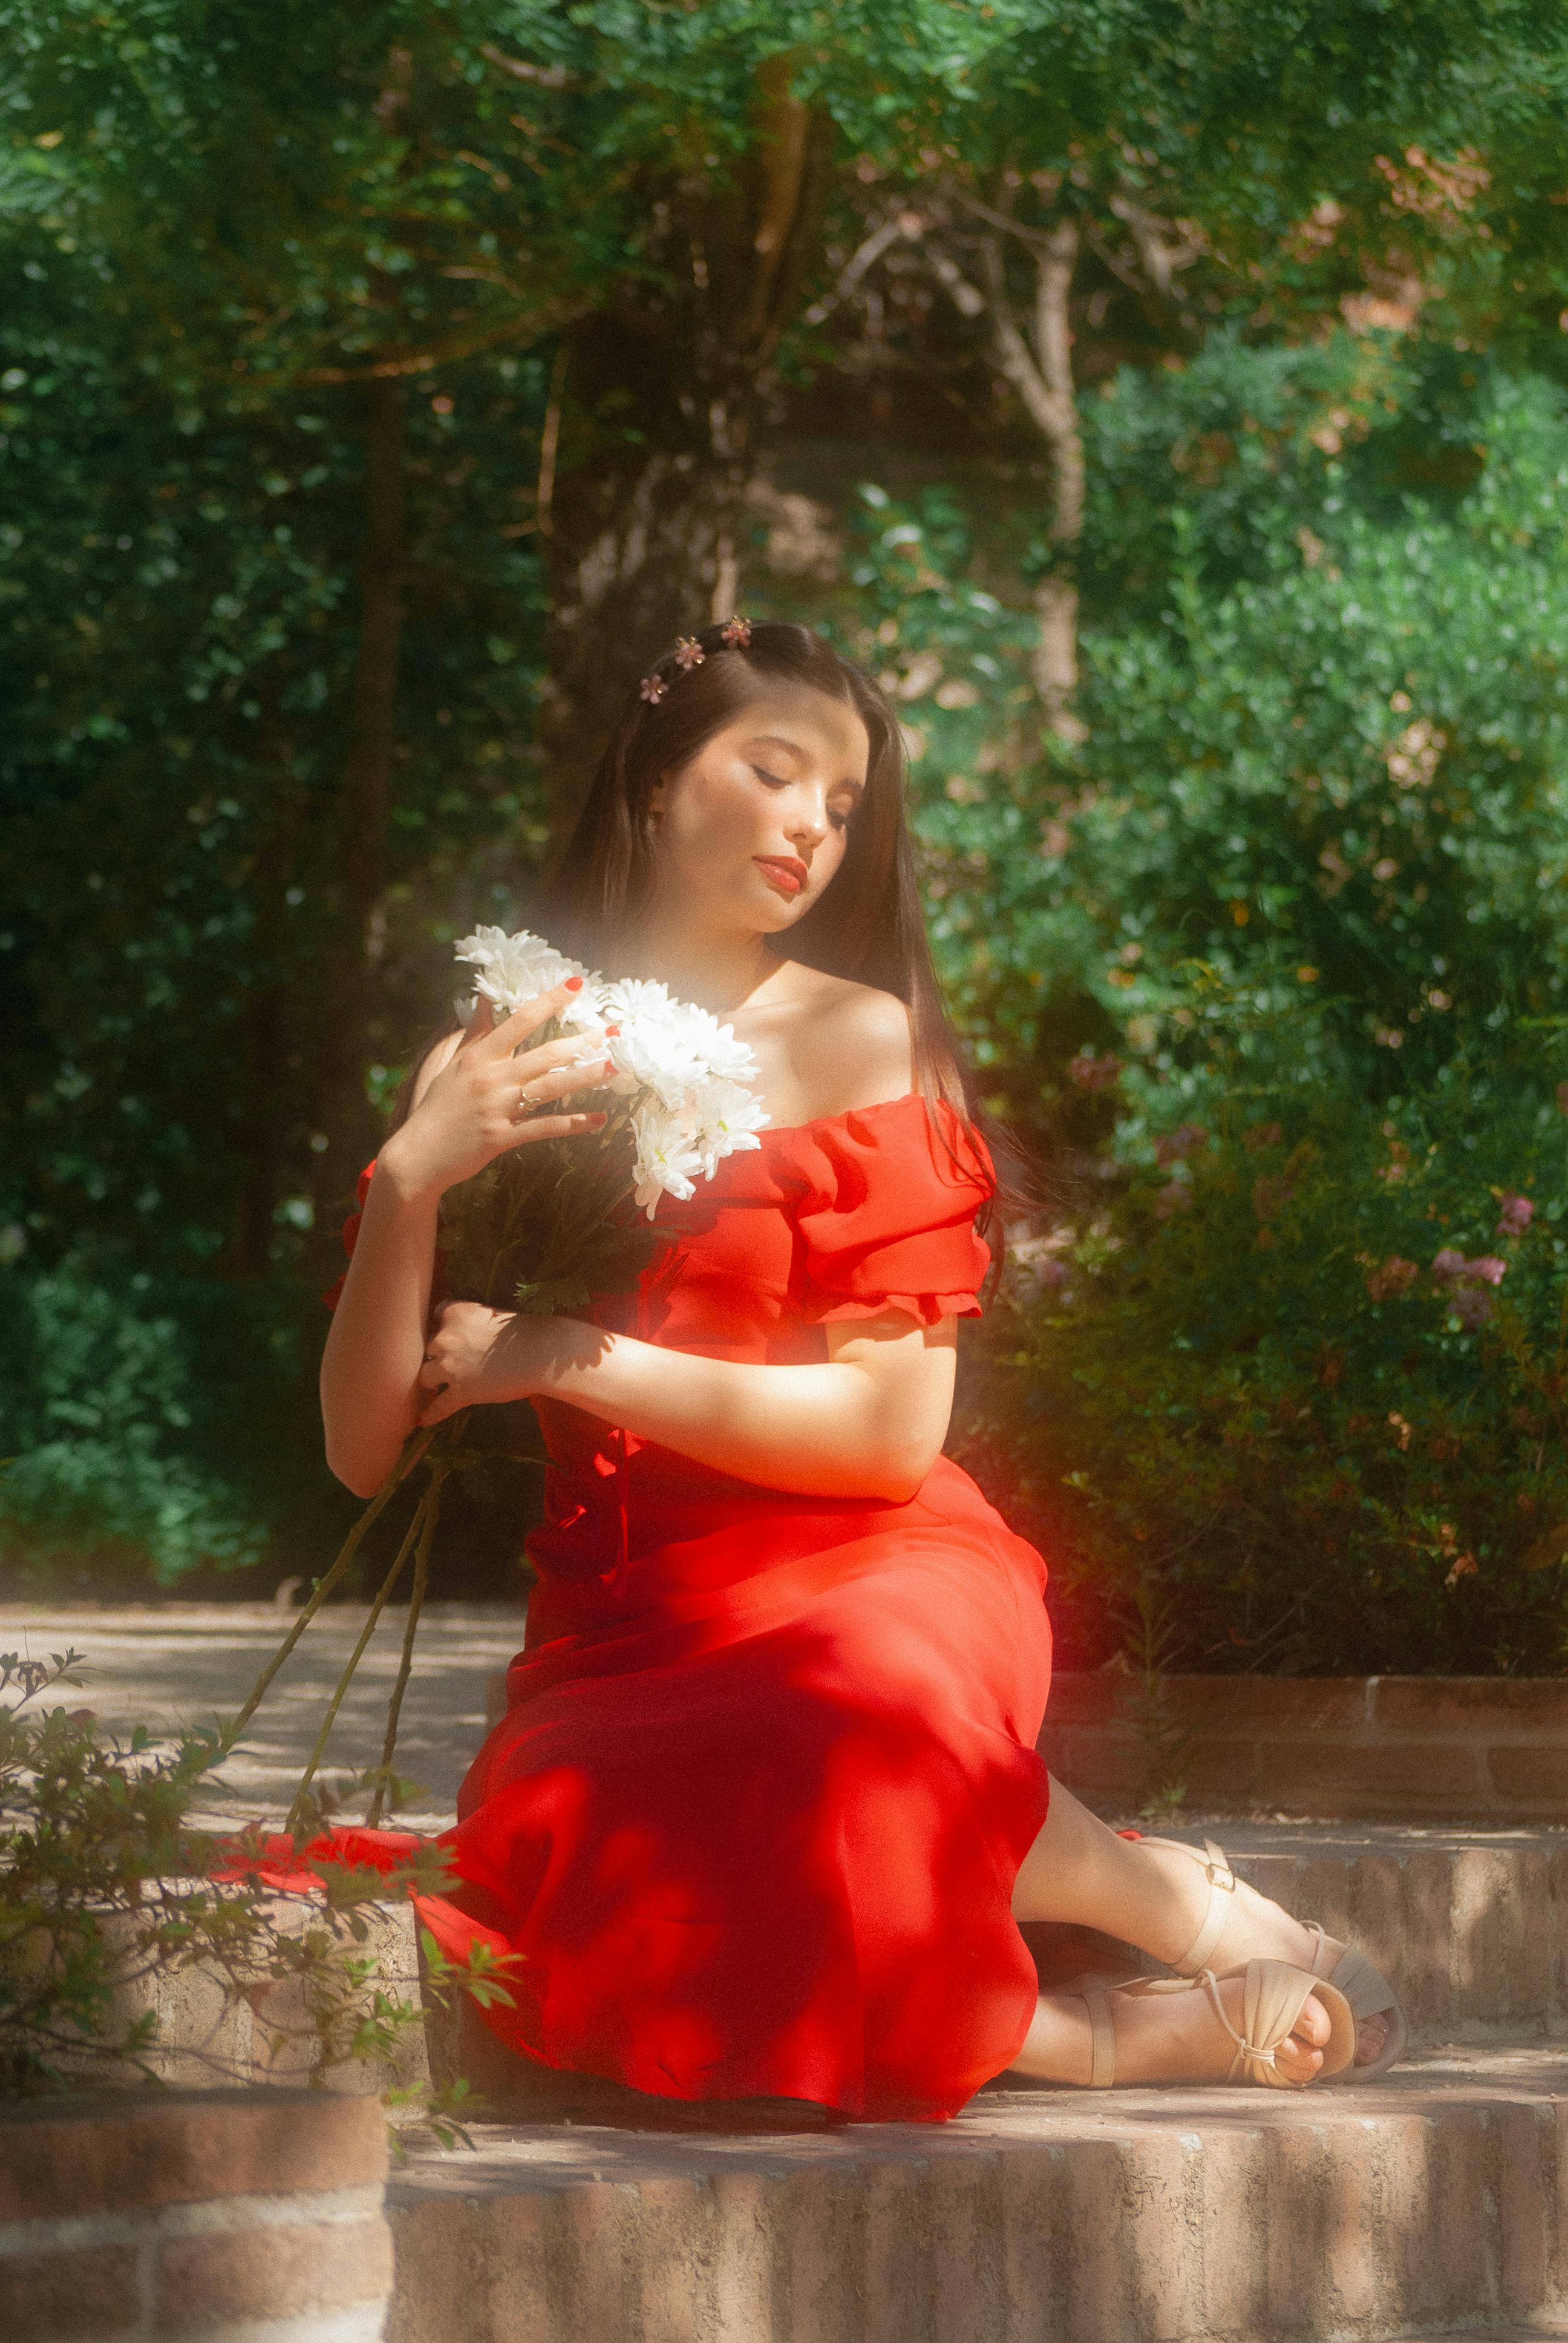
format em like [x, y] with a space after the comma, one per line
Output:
[737, 633]
[688, 652]
[652, 688]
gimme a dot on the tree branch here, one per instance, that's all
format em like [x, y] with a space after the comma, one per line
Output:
[864, 256]
[396, 365]
[1160, 259]
[520, 69]
[1033, 236]
[967, 298]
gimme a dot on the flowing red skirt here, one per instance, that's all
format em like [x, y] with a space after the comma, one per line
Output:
[752, 1819]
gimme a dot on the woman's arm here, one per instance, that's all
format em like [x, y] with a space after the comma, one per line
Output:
[465, 1114]
[870, 1422]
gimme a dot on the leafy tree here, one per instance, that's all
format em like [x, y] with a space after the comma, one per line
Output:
[1129, 175]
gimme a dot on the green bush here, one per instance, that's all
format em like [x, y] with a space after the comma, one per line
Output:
[1285, 1390]
[1325, 602]
[156, 1427]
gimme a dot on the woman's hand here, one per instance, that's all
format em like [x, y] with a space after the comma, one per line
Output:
[479, 1357]
[482, 1101]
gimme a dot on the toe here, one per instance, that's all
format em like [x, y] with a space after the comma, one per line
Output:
[1372, 2040]
[1313, 2026]
[1298, 2061]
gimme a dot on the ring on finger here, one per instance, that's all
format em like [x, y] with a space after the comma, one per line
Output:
[524, 1105]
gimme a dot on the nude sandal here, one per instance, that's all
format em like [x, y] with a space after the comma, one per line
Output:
[1363, 1984]
[1370, 1995]
[1275, 1995]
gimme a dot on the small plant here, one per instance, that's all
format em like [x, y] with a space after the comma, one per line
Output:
[1152, 1642]
[110, 1888]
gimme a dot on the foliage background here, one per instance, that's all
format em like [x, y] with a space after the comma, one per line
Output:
[1171, 405]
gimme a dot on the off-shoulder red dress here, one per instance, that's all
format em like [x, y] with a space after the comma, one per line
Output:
[767, 1770]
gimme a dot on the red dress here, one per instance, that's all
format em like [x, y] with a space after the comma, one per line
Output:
[767, 1773]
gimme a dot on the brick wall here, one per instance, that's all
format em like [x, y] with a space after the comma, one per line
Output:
[210, 2217]
[1367, 1748]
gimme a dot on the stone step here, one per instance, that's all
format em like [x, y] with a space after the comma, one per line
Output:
[1430, 2203]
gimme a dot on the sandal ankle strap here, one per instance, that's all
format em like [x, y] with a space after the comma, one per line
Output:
[1222, 1882]
[1102, 2040]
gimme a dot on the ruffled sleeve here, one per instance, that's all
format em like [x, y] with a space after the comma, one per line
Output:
[888, 1219]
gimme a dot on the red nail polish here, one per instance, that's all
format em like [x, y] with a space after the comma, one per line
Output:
[574, 984]
[610, 1032]
[597, 1121]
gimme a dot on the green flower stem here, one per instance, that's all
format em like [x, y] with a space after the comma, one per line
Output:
[414, 1448]
[420, 1513]
[430, 1515]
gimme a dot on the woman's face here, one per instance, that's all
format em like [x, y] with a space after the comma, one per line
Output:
[752, 830]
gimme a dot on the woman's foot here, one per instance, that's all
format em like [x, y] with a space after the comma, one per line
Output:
[1255, 1928]
[1162, 2038]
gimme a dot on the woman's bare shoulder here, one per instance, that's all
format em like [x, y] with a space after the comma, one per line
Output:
[849, 1045]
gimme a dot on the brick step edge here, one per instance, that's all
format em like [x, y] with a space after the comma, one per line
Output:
[223, 2216]
[1152, 2218]
[1389, 1748]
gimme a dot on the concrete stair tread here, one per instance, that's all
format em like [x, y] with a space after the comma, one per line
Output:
[1006, 2114]
[1282, 1834]
[1435, 2201]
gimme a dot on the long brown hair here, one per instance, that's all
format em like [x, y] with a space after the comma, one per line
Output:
[867, 925]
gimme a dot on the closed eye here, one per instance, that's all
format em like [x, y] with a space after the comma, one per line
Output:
[838, 816]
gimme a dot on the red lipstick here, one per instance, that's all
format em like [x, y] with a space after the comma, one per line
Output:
[785, 871]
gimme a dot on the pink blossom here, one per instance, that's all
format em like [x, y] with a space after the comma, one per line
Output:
[1451, 1268]
[1471, 1303]
[1174, 1146]
[1515, 1216]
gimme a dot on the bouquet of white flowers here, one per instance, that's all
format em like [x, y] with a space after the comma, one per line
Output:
[546, 1228]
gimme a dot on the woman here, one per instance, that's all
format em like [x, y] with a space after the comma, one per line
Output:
[765, 1804]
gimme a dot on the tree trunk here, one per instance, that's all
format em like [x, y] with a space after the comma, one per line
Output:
[1042, 378]
[636, 554]
[667, 397]
[363, 829]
